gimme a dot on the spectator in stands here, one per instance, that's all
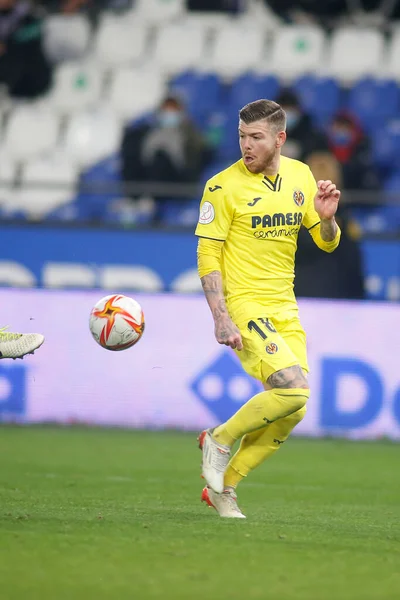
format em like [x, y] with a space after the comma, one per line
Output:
[339, 274]
[303, 138]
[352, 149]
[322, 275]
[167, 149]
[24, 68]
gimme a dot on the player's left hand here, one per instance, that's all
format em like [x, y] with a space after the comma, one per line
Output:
[326, 199]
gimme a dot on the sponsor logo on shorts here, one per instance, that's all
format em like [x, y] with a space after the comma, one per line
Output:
[207, 213]
[298, 197]
[272, 348]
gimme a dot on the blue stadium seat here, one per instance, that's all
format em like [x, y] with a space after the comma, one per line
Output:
[228, 149]
[93, 205]
[319, 97]
[249, 87]
[386, 146]
[378, 219]
[374, 102]
[180, 212]
[382, 268]
[202, 93]
[392, 183]
[67, 213]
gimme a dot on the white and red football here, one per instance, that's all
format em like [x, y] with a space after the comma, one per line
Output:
[117, 322]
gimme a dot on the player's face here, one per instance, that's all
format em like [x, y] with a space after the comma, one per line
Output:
[260, 145]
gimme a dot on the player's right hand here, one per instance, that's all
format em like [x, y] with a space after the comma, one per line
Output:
[227, 333]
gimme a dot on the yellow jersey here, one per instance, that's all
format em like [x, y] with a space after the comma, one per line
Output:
[258, 219]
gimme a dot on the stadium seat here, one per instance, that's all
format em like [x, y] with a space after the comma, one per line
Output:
[229, 58]
[259, 14]
[31, 132]
[124, 211]
[201, 92]
[7, 169]
[377, 219]
[382, 268]
[391, 67]
[66, 213]
[386, 146]
[93, 203]
[130, 277]
[320, 97]
[158, 11]
[68, 275]
[135, 91]
[392, 183]
[46, 184]
[66, 37]
[179, 48]
[119, 42]
[76, 87]
[91, 136]
[374, 101]
[249, 87]
[355, 53]
[7, 180]
[297, 50]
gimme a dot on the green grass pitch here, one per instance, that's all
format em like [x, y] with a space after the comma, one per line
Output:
[107, 514]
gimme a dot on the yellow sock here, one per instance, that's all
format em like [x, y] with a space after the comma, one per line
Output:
[259, 445]
[264, 408]
[232, 477]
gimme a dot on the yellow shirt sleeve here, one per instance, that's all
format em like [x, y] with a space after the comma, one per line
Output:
[312, 221]
[216, 212]
[208, 256]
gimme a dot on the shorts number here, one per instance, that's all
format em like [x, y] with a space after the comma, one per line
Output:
[253, 326]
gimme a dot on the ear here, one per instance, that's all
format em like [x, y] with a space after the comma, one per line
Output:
[280, 139]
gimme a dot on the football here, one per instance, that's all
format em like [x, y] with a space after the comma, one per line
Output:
[116, 322]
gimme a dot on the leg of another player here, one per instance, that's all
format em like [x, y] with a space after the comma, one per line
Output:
[17, 345]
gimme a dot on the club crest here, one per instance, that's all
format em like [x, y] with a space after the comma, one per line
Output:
[272, 348]
[298, 197]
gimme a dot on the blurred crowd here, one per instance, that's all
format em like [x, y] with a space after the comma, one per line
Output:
[170, 147]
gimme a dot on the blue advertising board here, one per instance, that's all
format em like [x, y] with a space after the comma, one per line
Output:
[34, 256]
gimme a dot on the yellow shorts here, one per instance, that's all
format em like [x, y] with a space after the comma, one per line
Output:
[271, 344]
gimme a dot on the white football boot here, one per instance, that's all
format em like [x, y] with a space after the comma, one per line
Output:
[17, 345]
[215, 460]
[225, 504]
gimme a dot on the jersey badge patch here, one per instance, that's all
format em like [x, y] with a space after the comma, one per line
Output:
[207, 213]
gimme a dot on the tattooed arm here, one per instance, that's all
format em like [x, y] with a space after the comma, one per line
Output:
[328, 229]
[225, 330]
[209, 266]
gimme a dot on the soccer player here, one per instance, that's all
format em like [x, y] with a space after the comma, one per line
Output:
[17, 345]
[250, 216]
